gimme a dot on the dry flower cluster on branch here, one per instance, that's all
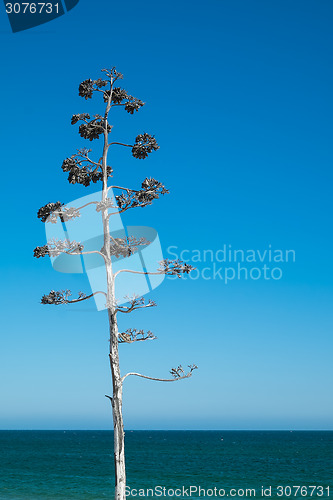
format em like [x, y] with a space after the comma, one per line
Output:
[151, 189]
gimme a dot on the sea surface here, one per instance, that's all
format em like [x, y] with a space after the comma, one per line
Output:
[67, 465]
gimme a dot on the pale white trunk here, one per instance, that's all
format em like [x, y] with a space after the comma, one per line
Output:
[118, 426]
[116, 400]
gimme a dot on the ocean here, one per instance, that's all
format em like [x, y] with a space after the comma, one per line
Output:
[66, 465]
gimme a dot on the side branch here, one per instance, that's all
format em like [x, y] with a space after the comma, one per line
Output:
[153, 378]
[62, 297]
[134, 272]
[82, 169]
[178, 374]
[55, 247]
[167, 267]
[135, 303]
[83, 153]
[133, 335]
[121, 144]
[85, 297]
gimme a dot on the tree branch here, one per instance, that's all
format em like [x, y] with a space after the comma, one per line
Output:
[85, 253]
[174, 372]
[61, 297]
[117, 213]
[85, 298]
[124, 188]
[81, 169]
[133, 335]
[121, 144]
[134, 272]
[56, 247]
[136, 303]
[83, 153]
[167, 267]
[153, 378]
[90, 203]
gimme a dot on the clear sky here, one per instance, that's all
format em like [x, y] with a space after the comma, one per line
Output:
[239, 97]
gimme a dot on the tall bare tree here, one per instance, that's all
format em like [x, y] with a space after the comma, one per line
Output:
[82, 169]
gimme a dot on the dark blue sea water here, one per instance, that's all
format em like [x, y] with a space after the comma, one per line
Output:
[78, 465]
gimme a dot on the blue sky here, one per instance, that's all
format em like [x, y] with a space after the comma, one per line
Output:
[239, 96]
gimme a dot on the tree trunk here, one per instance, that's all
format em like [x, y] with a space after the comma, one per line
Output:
[116, 401]
[117, 384]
